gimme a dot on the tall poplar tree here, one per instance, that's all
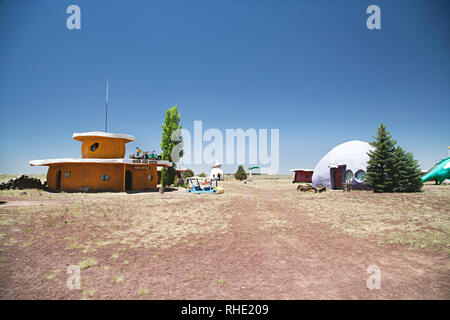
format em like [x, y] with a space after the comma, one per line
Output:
[171, 124]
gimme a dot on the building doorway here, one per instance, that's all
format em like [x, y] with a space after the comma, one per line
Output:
[337, 174]
[128, 180]
[58, 180]
[337, 177]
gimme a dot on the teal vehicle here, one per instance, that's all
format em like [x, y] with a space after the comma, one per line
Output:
[439, 172]
[196, 187]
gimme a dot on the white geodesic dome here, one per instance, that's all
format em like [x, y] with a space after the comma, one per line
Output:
[351, 157]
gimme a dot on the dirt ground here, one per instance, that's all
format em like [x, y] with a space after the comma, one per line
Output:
[260, 241]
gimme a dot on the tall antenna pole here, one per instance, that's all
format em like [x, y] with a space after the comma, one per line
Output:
[106, 113]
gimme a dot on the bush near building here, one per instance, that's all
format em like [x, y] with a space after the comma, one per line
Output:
[187, 174]
[240, 174]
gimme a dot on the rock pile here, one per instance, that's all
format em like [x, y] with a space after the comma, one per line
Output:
[304, 187]
[23, 182]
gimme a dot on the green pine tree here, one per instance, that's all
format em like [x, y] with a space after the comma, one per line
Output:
[381, 173]
[171, 124]
[408, 173]
[400, 172]
[240, 174]
[390, 168]
[413, 183]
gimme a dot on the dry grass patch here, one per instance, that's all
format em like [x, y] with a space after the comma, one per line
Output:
[143, 291]
[88, 294]
[87, 263]
[419, 220]
[52, 275]
[118, 278]
[86, 223]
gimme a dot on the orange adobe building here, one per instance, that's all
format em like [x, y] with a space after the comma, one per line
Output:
[102, 166]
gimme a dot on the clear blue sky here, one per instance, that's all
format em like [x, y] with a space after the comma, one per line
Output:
[309, 68]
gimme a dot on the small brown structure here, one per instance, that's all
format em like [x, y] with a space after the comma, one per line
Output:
[302, 175]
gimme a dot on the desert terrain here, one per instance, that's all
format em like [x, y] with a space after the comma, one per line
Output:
[256, 241]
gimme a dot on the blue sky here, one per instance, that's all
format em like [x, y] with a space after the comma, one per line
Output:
[311, 69]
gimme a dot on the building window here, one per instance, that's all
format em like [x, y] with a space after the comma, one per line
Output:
[94, 146]
[105, 177]
[150, 177]
[67, 174]
[348, 175]
[360, 175]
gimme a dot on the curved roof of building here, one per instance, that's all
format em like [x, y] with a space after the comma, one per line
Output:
[80, 136]
[47, 162]
[217, 164]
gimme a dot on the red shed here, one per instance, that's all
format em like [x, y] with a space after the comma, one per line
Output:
[302, 175]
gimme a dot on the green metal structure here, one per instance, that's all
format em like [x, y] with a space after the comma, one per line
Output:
[439, 172]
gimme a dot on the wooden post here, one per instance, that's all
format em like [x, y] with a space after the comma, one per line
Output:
[123, 181]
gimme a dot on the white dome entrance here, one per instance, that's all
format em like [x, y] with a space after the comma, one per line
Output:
[216, 172]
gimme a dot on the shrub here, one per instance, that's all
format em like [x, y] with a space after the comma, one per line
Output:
[187, 174]
[240, 174]
[167, 176]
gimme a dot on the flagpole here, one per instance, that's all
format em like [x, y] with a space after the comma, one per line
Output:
[106, 113]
